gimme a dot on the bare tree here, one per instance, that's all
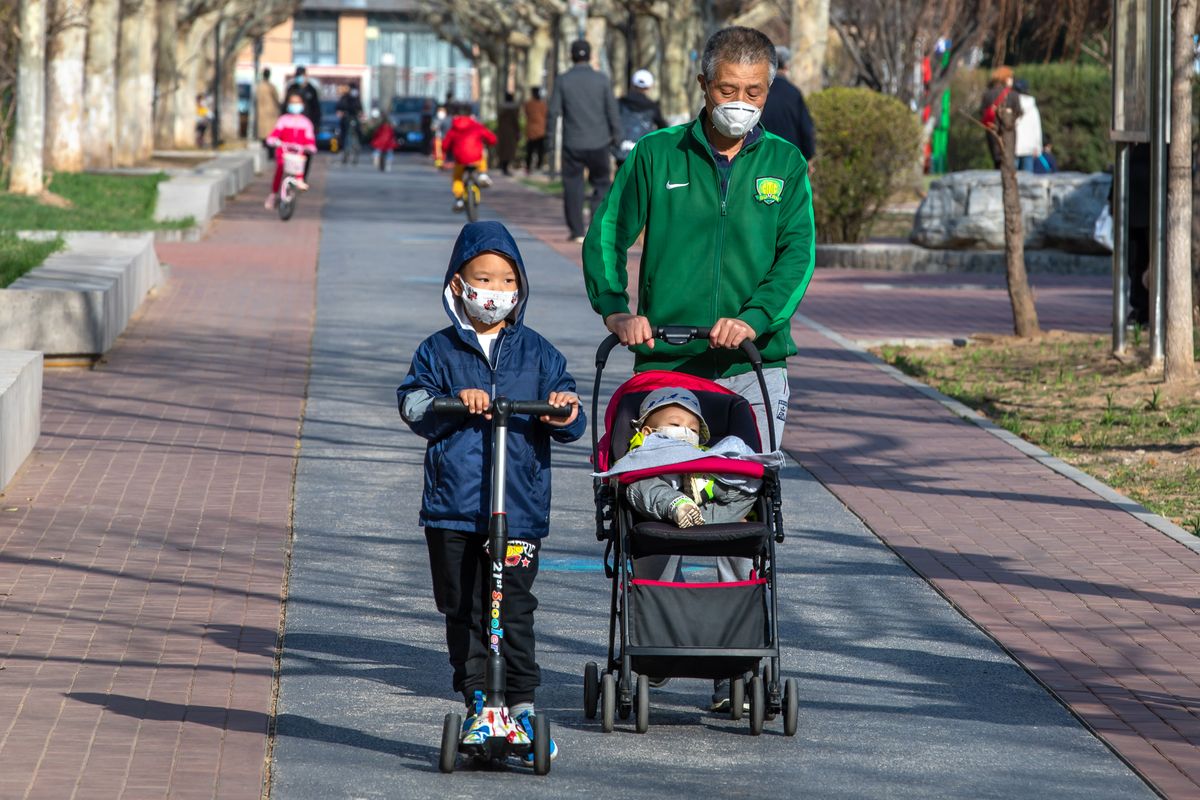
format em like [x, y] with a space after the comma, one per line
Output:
[27, 174]
[1180, 362]
[809, 37]
[1025, 319]
[64, 85]
[135, 82]
[100, 79]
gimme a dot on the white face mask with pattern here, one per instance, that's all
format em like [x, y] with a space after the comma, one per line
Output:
[487, 306]
[681, 433]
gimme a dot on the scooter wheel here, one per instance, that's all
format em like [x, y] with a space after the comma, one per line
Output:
[541, 745]
[608, 702]
[641, 720]
[451, 729]
[758, 705]
[737, 697]
[791, 707]
[591, 689]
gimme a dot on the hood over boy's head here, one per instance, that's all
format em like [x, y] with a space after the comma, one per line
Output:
[486, 248]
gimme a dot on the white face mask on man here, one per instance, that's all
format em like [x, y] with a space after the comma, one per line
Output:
[487, 306]
[735, 119]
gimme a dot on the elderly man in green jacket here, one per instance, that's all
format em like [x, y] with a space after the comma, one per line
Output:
[729, 242]
[726, 209]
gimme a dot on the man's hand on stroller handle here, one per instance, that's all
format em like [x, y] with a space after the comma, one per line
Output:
[631, 329]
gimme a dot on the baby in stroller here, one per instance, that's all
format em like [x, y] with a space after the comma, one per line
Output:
[669, 420]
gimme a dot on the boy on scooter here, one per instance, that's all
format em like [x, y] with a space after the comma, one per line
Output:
[487, 352]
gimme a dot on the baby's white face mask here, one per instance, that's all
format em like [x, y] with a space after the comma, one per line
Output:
[681, 433]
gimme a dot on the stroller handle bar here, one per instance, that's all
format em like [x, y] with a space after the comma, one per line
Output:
[675, 334]
[504, 406]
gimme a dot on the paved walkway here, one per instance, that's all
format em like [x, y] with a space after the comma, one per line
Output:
[143, 545]
[1099, 607]
[883, 661]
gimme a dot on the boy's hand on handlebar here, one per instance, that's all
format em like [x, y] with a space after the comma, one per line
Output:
[561, 399]
[730, 333]
[631, 329]
[477, 401]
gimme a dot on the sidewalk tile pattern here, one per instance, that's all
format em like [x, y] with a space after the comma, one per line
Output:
[1100, 607]
[143, 545]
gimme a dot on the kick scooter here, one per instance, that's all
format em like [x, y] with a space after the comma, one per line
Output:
[501, 743]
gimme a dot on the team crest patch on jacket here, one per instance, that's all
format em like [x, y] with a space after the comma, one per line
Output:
[769, 190]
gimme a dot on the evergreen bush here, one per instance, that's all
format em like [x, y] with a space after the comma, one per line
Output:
[867, 144]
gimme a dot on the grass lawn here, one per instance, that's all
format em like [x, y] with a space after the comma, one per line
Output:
[543, 185]
[1113, 419]
[97, 203]
[18, 256]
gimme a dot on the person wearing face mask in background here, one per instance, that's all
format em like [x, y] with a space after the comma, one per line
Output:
[292, 128]
[726, 212]
[487, 352]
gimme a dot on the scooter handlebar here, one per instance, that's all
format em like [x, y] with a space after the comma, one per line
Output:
[533, 408]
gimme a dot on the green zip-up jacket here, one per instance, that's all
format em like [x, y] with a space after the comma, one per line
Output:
[748, 254]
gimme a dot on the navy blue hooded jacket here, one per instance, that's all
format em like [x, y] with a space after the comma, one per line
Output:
[458, 456]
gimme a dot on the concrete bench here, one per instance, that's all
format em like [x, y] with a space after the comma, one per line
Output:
[20, 409]
[80, 299]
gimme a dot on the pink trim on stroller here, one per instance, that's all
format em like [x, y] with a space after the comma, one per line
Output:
[713, 464]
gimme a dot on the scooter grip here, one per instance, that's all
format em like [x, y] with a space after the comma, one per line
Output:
[538, 409]
[448, 405]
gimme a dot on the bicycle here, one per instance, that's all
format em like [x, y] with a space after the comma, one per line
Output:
[472, 192]
[353, 144]
[294, 161]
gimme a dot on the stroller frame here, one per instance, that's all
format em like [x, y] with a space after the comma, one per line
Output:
[614, 688]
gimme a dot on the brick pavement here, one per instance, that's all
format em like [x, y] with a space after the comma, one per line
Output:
[143, 545]
[1101, 608]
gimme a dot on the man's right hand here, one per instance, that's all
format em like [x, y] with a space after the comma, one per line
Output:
[631, 329]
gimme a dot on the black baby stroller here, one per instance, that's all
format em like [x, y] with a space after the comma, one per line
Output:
[664, 629]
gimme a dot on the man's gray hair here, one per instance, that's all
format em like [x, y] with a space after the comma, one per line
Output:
[737, 45]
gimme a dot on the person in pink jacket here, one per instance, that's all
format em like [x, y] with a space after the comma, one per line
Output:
[293, 131]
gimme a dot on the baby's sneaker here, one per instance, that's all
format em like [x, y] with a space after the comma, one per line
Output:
[525, 723]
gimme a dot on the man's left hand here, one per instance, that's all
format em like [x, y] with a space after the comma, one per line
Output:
[729, 332]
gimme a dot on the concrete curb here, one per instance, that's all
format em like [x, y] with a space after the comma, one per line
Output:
[20, 409]
[907, 257]
[1159, 523]
[80, 299]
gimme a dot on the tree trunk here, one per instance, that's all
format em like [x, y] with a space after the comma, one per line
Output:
[677, 72]
[64, 86]
[1180, 364]
[100, 77]
[1025, 321]
[231, 129]
[810, 35]
[27, 175]
[192, 54]
[539, 51]
[166, 74]
[135, 82]
[647, 49]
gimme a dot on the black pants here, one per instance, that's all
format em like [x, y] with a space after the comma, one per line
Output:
[535, 147]
[1138, 264]
[599, 170]
[462, 590]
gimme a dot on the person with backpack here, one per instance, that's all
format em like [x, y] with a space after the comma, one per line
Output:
[639, 114]
[1000, 94]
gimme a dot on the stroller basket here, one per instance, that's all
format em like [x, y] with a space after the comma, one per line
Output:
[742, 539]
[705, 615]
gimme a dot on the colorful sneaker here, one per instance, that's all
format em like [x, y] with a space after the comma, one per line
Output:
[525, 723]
[478, 731]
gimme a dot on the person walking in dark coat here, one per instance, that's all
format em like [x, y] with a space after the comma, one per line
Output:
[639, 114]
[535, 130]
[591, 123]
[312, 104]
[786, 114]
[508, 132]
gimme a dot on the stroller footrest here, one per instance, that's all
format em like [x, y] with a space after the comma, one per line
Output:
[741, 539]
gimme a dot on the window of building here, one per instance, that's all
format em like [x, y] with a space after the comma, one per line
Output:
[315, 38]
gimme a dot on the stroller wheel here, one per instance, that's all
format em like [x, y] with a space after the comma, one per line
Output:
[641, 720]
[591, 689]
[791, 707]
[737, 697]
[608, 702]
[758, 705]
[451, 730]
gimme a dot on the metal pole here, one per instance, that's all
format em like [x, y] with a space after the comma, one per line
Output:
[1120, 273]
[1159, 135]
[216, 120]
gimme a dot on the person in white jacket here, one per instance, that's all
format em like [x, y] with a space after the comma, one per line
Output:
[1029, 129]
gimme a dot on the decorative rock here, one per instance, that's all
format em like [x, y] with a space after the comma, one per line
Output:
[965, 210]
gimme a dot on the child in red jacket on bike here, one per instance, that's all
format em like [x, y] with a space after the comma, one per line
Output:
[467, 143]
[293, 131]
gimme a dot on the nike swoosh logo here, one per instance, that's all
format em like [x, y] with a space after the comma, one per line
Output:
[675, 185]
